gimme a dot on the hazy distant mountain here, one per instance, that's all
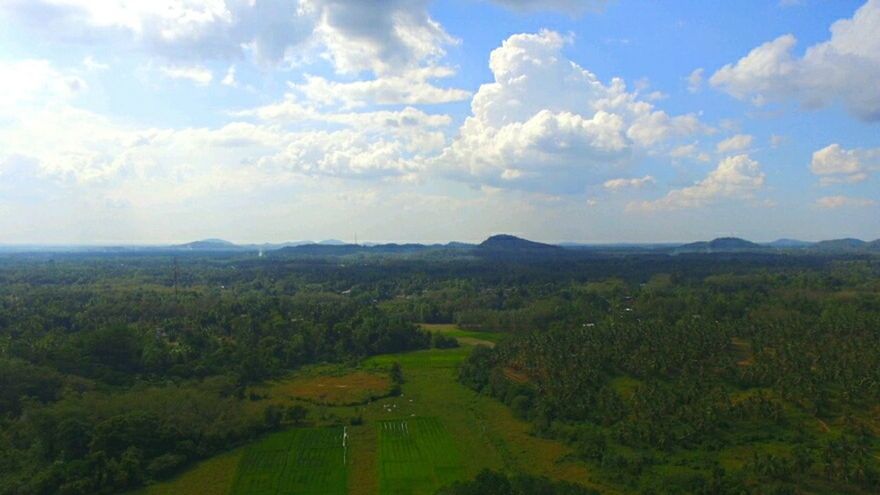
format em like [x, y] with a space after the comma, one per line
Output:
[721, 245]
[459, 245]
[209, 245]
[332, 242]
[505, 244]
[322, 249]
[789, 243]
[847, 244]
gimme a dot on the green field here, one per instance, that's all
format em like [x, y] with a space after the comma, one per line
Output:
[465, 337]
[435, 432]
[416, 456]
[304, 460]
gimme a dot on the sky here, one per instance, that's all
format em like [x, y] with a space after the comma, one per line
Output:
[156, 121]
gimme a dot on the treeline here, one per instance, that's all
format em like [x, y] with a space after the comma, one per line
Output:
[494, 483]
[117, 336]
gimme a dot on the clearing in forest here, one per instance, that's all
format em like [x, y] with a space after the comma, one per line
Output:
[303, 460]
[466, 337]
[355, 387]
[416, 456]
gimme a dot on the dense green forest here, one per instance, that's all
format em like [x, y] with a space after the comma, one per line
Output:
[691, 369]
[116, 370]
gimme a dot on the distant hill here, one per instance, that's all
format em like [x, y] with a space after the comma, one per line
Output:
[224, 245]
[509, 246]
[847, 244]
[332, 242]
[321, 249]
[789, 244]
[209, 245]
[721, 245]
[459, 245]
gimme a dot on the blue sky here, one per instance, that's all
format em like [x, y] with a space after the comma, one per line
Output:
[125, 121]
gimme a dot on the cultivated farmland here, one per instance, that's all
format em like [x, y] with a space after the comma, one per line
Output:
[306, 460]
[416, 455]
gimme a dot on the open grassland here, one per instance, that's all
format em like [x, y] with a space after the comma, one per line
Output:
[303, 460]
[328, 387]
[434, 432]
[214, 476]
[417, 456]
[464, 337]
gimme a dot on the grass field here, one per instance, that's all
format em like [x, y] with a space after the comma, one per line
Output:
[328, 387]
[303, 460]
[213, 476]
[417, 456]
[435, 432]
[464, 337]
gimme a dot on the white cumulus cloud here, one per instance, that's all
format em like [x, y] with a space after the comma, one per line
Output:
[695, 80]
[737, 177]
[35, 81]
[195, 74]
[844, 68]
[410, 88]
[836, 165]
[356, 35]
[547, 124]
[637, 183]
[738, 142]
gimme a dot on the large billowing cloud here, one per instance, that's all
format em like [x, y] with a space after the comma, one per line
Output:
[382, 36]
[176, 28]
[394, 41]
[845, 68]
[356, 35]
[81, 151]
[548, 124]
[737, 177]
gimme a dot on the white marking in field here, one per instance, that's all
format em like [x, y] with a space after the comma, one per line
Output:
[344, 443]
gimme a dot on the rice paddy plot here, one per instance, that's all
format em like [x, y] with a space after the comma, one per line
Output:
[305, 460]
[416, 456]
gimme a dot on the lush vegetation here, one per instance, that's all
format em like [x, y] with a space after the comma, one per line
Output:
[494, 483]
[415, 454]
[114, 375]
[763, 382]
[661, 374]
[305, 460]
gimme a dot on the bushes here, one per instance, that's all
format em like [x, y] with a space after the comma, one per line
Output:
[165, 465]
[494, 483]
[19, 379]
[396, 374]
[440, 341]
